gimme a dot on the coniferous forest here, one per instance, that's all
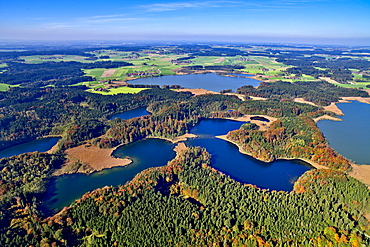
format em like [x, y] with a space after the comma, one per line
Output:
[186, 202]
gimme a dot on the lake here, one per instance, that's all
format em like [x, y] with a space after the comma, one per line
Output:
[138, 112]
[63, 190]
[351, 136]
[209, 81]
[279, 175]
[40, 145]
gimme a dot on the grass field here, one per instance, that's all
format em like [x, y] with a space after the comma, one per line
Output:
[95, 73]
[114, 91]
[150, 61]
[54, 58]
[5, 87]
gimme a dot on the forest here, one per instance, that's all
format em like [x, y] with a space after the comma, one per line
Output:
[289, 137]
[187, 202]
[51, 73]
[319, 92]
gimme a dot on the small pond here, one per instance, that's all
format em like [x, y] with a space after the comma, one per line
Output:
[138, 112]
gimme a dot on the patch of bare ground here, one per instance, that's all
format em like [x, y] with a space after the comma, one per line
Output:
[301, 100]
[87, 158]
[181, 138]
[220, 60]
[240, 96]
[197, 91]
[359, 99]
[361, 173]
[257, 98]
[108, 72]
[180, 147]
[247, 118]
[326, 117]
[333, 108]
[329, 80]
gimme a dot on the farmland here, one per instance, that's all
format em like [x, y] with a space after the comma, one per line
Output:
[266, 64]
[113, 91]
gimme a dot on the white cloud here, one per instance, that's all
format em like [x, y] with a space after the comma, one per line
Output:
[160, 7]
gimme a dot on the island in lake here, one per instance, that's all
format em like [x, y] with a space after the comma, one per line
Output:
[183, 145]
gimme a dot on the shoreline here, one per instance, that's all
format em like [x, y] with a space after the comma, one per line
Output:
[247, 118]
[87, 159]
[311, 163]
[359, 99]
[359, 172]
[177, 139]
[327, 117]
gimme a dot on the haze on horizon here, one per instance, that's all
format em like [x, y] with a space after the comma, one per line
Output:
[336, 22]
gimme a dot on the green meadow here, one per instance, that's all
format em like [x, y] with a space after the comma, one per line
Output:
[265, 68]
[5, 87]
[54, 58]
[113, 91]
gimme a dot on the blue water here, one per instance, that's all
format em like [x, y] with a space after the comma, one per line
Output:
[138, 112]
[40, 145]
[277, 175]
[351, 136]
[209, 81]
[63, 190]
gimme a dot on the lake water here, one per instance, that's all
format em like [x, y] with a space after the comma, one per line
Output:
[147, 153]
[138, 112]
[40, 145]
[277, 175]
[351, 136]
[209, 81]
[65, 189]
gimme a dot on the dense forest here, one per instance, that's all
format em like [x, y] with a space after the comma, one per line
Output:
[187, 202]
[289, 137]
[319, 92]
[71, 112]
[51, 73]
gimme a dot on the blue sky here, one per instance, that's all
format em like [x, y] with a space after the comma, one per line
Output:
[287, 21]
